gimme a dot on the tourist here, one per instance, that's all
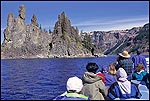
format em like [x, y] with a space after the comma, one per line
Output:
[140, 72]
[123, 88]
[125, 62]
[93, 86]
[141, 75]
[110, 76]
[74, 86]
[139, 59]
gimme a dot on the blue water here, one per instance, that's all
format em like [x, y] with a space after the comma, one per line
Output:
[42, 79]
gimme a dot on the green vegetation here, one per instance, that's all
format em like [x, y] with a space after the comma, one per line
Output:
[87, 43]
[66, 37]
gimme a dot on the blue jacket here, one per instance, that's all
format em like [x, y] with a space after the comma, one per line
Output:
[72, 96]
[115, 92]
[139, 77]
[139, 59]
[109, 79]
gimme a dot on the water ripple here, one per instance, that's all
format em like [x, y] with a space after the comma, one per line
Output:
[41, 79]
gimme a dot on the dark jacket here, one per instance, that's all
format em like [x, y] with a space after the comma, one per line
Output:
[126, 64]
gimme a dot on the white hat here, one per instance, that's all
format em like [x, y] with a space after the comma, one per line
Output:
[124, 54]
[74, 83]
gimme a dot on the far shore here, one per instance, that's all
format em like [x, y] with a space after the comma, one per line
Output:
[67, 57]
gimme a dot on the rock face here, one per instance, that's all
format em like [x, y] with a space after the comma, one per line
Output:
[113, 42]
[29, 41]
[65, 39]
[24, 41]
[135, 38]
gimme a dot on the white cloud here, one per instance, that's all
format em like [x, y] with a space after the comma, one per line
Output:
[112, 24]
[106, 22]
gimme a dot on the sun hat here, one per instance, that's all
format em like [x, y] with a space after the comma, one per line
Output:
[124, 54]
[74, 83]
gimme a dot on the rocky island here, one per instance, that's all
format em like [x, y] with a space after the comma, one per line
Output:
[23, 40]
[30, 41]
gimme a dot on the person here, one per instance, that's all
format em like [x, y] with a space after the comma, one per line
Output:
[139, 59]
[141, 75]
[101, 74]
[140, 72]
[93, 86]
[74, 86]
[123, 88]
[110, 76]
[125, 62]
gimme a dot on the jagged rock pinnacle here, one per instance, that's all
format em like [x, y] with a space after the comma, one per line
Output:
[22, 12]
[10, 19]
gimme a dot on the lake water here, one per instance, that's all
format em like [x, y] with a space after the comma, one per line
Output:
[42, 79]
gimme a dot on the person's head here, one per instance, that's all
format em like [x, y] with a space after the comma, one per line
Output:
[92, 67]
[111, 69]
[124, 54]
[139, 67]
[138, 52]
[121, 74]
[74, 84]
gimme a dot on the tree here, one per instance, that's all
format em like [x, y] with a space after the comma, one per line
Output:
[50, 31]
[40, 27]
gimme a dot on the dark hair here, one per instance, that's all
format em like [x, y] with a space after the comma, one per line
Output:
[92, 67]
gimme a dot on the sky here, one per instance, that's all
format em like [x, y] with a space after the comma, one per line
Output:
[86, 15]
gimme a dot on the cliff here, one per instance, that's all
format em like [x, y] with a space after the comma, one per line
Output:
[30, 41]
[66, 41]
[113, 42]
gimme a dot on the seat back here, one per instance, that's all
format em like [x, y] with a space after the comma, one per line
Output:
[143, 88]
[145, 95]
[144, 91]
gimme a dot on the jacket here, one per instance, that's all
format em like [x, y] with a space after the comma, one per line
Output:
[126, 64]
[139, 59]
[71, 96]
[139, 76]
[93, 86]
[115, 92]
[110, 79]
[102, 76]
